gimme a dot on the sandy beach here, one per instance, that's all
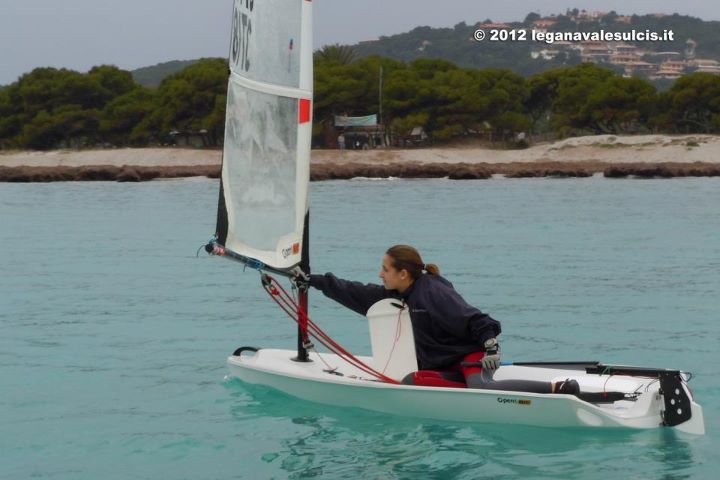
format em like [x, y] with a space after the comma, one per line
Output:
[597, 148]
[579, 156]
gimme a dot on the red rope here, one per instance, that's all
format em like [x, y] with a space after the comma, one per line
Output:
[288, 304]
[398, 332]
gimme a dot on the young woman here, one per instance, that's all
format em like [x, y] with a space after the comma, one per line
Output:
[448, 331]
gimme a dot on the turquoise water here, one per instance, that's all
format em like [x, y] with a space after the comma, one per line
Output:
[113, 335]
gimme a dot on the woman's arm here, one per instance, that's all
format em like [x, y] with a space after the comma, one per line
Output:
[356, 296]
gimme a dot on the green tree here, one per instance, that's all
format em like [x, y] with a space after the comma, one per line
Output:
[51, 107]
[404, 126]
[122, 117]
[531, 17]
[351, 89]
[68, 126]
[453, 102]
[619, 105]
[10, 118]
[693, 104]
[336, 54]
[506, 94]
[542, 91]
[113, 80]
[575, 85]
[191, 100]
[591, 99]
[50, 88]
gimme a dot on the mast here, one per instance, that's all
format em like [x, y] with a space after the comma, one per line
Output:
[306, 83]
[302, 355]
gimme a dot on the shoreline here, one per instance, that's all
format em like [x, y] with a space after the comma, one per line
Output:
[643, 156]
[336, 171]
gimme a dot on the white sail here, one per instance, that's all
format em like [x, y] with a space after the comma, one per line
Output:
[266, 158]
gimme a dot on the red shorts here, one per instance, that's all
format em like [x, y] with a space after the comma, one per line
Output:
[450, 378]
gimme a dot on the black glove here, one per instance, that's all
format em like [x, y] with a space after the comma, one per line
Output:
[491, 360]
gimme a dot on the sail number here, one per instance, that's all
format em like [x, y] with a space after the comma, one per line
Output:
[241, 32]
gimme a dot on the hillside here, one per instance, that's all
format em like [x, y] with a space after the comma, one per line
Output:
[152, 76]
[696, 45]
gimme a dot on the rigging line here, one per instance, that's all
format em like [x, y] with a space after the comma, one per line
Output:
[331, 345]
[330, 369]
[647, 387]
[313, 329]
[286, 303]
[311, 347]
[287, 306]
[328, 342]
[606, 382]
[398, 332]
[291, 309]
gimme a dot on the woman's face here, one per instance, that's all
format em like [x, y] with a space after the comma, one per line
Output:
[391, 277]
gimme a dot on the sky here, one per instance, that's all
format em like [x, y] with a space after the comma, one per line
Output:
[79, 34]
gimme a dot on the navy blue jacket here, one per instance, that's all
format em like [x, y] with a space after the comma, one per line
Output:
[445, 327]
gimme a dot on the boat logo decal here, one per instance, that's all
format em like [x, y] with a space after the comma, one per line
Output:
[514, 401]
[294, 249]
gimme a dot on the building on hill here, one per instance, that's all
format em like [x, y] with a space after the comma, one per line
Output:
[709, 69]
[590, 16]
[545, 53]
[704, 65]
[624, 58]
[564, 45]
[544, 23]
[670, 70]
[596, 52]
[640, 68]
[495, 26]
[625, 19]
[552, 51]
[624, 48]
[666, 56]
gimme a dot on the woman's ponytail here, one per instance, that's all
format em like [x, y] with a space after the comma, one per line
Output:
[408, 258]
[432, 269]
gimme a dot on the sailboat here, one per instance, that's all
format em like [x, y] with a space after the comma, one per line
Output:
[263, 222]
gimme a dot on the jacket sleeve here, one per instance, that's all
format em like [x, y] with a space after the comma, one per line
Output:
[459, 318]
[356, 296]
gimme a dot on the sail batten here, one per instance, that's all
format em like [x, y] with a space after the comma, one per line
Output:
[271, 88]
[266, 156]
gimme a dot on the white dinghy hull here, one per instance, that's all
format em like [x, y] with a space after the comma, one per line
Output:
[348, 387]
